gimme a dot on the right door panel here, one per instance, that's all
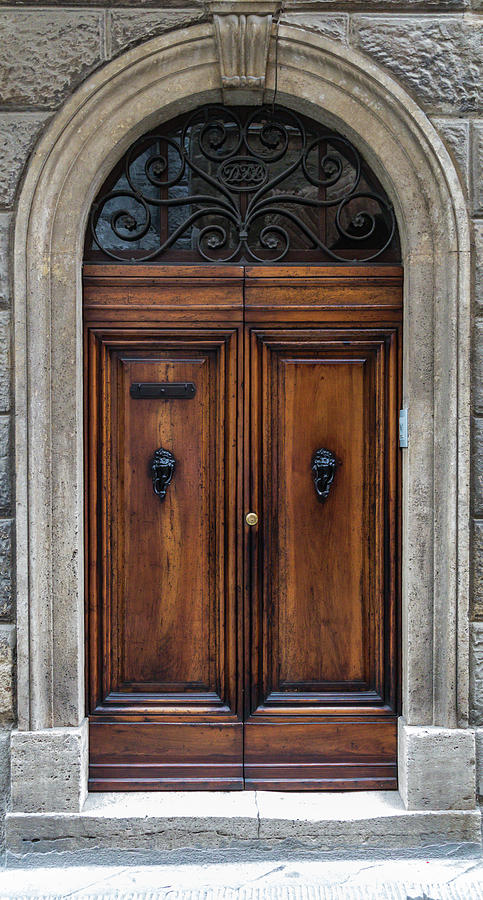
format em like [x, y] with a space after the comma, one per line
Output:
[323, 415]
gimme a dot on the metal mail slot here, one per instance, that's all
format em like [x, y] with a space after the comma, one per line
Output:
[165, 390]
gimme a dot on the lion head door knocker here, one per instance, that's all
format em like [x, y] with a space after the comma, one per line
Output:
[324, 464]
[163, 465]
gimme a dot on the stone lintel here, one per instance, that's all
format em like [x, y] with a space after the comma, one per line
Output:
[437, 767]
[49, 769]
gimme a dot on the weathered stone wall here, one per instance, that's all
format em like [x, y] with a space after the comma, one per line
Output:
[432, 47]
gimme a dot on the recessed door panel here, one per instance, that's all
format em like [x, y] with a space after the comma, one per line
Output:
[163, 598]
[320, 405]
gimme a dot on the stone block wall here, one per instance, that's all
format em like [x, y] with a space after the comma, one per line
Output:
[432, 47]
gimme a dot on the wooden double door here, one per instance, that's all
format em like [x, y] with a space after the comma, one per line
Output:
[223, 654]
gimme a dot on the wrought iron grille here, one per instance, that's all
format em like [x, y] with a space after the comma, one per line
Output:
[228, 184]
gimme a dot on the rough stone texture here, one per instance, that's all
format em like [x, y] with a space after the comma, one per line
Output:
[4, 361]
[477, 167]
[156, 4]
[478, 251]
[437, 59]
[456, 136]
[437, 767]
[334, 27]
[478, 368]
[5, 220]
[5, 466]
[45, 54]
[479, 761]
[6, 593]
[477, 604]
[312, 823]
[476, 673]
[128, 27]
[378, 5]
[7, 648]
[4, 779]
[477, 447]
[49, 769]
[18, 132]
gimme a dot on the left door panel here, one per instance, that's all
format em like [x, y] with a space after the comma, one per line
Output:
[163, 617]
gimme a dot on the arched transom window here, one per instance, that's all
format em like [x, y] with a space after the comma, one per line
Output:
[254, 185]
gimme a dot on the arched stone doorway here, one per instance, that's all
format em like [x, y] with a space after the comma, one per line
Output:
[129, 96]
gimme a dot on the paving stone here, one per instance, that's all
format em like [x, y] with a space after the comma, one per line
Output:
[5, 465]
[456, 136]
[45, 54]
[129, 27]
[438, 59]
[6, 592]
[4, 361]
[460, 880]
[334, 27]
[18, 132]
[477, 166]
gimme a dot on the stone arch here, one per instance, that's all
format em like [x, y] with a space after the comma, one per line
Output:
[130, 95]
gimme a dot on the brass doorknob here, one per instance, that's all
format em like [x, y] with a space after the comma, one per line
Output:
[251, 518]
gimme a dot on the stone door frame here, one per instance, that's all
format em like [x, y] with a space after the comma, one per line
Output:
[132, 94]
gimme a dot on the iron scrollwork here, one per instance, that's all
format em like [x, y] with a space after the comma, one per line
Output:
[237, 185]
[163, 465]
[324, 465]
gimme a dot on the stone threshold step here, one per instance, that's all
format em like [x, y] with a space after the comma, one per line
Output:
[255, 822]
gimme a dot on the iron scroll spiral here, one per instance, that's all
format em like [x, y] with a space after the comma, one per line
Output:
[254, 179]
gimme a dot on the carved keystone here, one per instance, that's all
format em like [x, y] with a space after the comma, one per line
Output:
[242, 32]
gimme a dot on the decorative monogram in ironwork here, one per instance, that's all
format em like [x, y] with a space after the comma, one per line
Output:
[242, 173]
[232, 184]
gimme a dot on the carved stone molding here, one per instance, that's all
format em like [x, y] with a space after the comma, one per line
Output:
[243, 42]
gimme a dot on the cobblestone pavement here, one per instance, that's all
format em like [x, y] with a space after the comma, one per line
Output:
[443, 879]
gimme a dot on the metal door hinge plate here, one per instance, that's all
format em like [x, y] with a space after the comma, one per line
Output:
[403, 427]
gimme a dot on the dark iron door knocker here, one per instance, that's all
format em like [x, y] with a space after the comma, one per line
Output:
[163, 465]
[324, 465]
